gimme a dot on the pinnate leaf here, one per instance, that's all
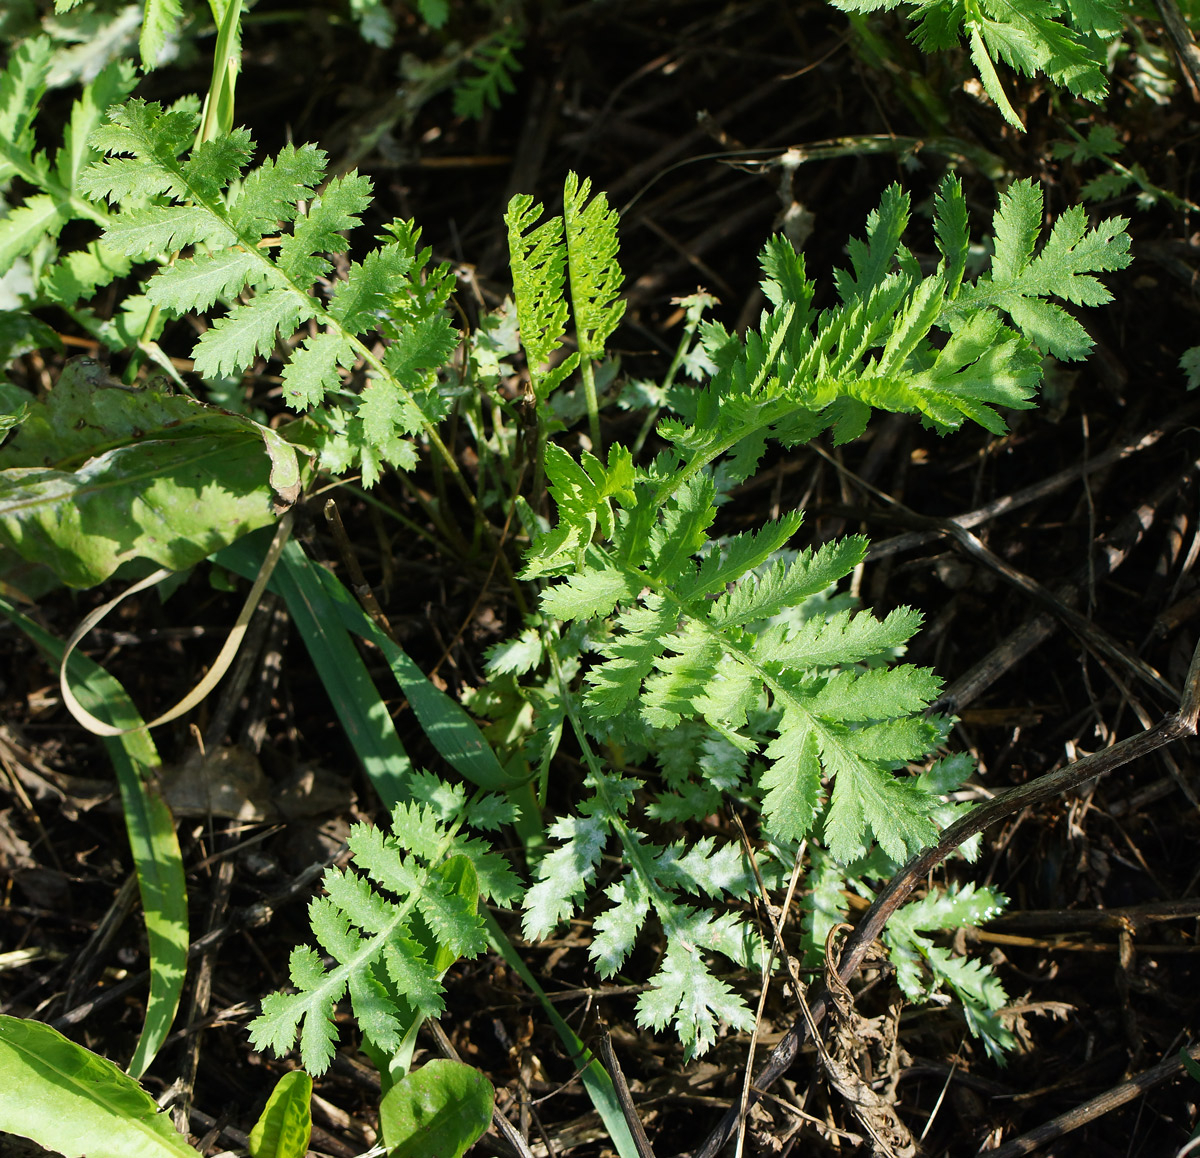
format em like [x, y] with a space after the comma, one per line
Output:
[392, 927]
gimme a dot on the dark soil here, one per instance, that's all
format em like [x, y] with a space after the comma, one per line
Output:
[675, 109]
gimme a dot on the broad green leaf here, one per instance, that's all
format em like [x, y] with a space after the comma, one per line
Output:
[99, 474]
[441, 1109]
[285, 1126]
[75, 1102]
[14, 402]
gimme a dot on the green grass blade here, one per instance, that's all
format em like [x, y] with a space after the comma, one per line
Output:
[443, 719]
[322, 605]
[594, 1076]
[363, 714]
[322, 599]
[152, 838]
[449, 728]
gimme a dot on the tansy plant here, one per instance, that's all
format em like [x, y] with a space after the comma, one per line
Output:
[693, 671]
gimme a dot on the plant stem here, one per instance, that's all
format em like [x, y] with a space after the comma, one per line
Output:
[589, 389]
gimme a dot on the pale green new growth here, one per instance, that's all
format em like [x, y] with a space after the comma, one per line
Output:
[591, 240]
[686, 992]
[582, 244]
[538, 260]
[258, 249]
[392, 928]
[980, 992]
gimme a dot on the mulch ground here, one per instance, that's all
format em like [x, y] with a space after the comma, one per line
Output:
[677, 111]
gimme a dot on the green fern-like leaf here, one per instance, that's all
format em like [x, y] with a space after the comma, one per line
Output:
[923, 967]
[686, 993]
[878, 348]
[43, 214]
[590, 229]
[676, 652]
[727, 658]
[493, 63]
[258, 243]
[1021, 284]
[538, 259]
[160, 22]
[22, 84]
[391, 928]
[1029, 37]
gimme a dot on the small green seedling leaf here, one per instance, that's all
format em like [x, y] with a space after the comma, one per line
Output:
[68, 1099]
[285, 1126]
[441, 1109]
